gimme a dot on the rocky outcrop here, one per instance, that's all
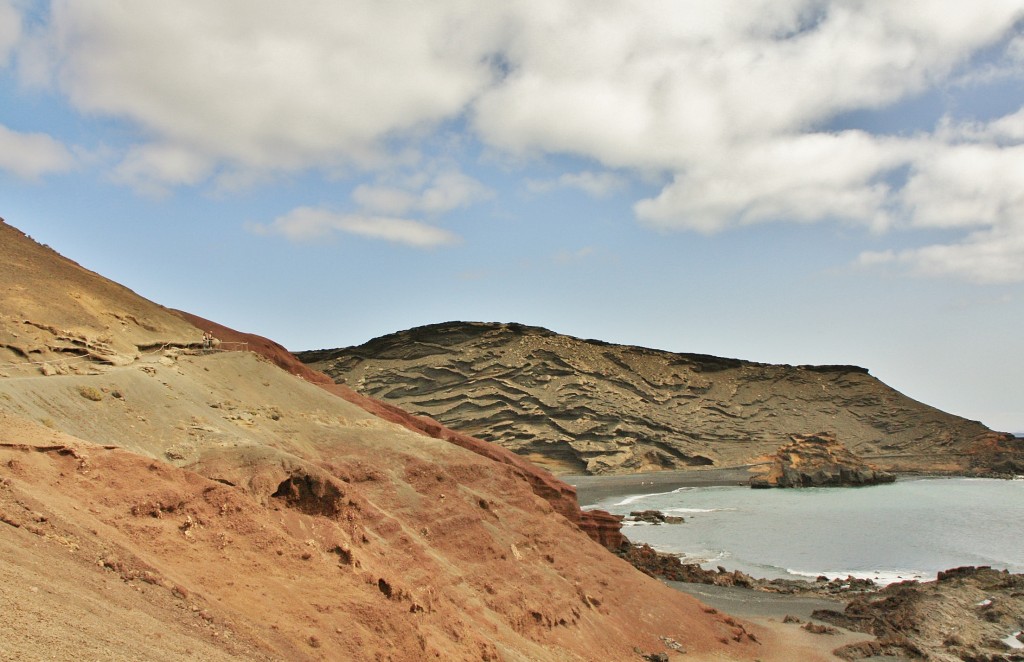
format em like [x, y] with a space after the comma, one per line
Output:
[966, 614]
[818, 460]
[585, 406]
[668, 566]
[604, 528]
[654, 517]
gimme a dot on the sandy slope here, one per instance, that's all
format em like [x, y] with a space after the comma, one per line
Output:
[166, 504]
[380, 541]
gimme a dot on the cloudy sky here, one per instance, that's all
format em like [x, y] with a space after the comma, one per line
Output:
[789, 181]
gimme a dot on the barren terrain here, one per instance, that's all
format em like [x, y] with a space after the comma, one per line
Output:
[162, 502]
[584, 406]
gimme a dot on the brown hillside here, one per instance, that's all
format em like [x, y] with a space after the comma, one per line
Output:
[584, 406]
[184, 505]
[53, 312]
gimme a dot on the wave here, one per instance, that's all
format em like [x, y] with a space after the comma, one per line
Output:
[697, 510]
[637, 497]
[881, 577]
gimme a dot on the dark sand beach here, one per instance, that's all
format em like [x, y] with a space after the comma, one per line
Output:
[591, 489]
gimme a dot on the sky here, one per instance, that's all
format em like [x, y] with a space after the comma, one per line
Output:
[784, 181]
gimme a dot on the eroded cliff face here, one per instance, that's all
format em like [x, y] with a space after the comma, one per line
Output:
[584, 406]
[818, 460]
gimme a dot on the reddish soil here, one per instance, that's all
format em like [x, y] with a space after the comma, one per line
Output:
[161, 503]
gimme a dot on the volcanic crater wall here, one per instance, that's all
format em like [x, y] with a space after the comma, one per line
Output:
[585, 406]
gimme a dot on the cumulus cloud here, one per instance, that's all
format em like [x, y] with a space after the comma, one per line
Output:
[799, 178]
[967, 186]
[987, 257]
[31, 155]
[730, 103]
[308, 223]
[435, 194]
[153, 169]
[979, 187]
[596, 184]
[658, 85]
[257, 83]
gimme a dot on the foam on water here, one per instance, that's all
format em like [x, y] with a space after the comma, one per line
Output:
[695, 510]
[882, 578]
[637, 497]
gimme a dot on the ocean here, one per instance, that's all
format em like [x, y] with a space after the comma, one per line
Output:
[910, 529]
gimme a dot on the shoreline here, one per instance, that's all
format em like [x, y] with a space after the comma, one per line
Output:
[751, 603]
[592, 489]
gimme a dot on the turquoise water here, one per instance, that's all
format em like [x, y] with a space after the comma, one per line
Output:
[910, 529]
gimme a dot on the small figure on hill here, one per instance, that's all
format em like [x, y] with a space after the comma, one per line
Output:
[207, 340]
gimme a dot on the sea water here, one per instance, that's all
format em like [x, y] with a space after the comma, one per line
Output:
[910, 529]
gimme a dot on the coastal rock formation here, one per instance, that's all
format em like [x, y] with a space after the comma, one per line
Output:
[818, 460]
[585, 406]
[654, 517]
[179, 504]
[670, 567]
[966, 614]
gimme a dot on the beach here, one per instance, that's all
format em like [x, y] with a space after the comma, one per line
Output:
[591, 489]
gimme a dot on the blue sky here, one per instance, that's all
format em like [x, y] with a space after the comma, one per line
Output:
[792, 181]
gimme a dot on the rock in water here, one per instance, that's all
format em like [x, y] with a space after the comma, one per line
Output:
[818, 460]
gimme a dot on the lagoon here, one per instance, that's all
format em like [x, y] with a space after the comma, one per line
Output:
[910, 529]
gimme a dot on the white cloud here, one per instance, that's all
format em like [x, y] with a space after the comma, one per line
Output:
[31, 155]
[264, 85]
[10, 30]
[660, 84]
[152, 169]
[597, 184]
[385, 199]
[436, 194]
[967, 186]
[975, 186]
[987, 257]
[307, 224]
[725, 100]
[452, 190]
[801, 177]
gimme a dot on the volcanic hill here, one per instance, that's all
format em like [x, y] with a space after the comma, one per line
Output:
[585, 406]
[162, 502]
